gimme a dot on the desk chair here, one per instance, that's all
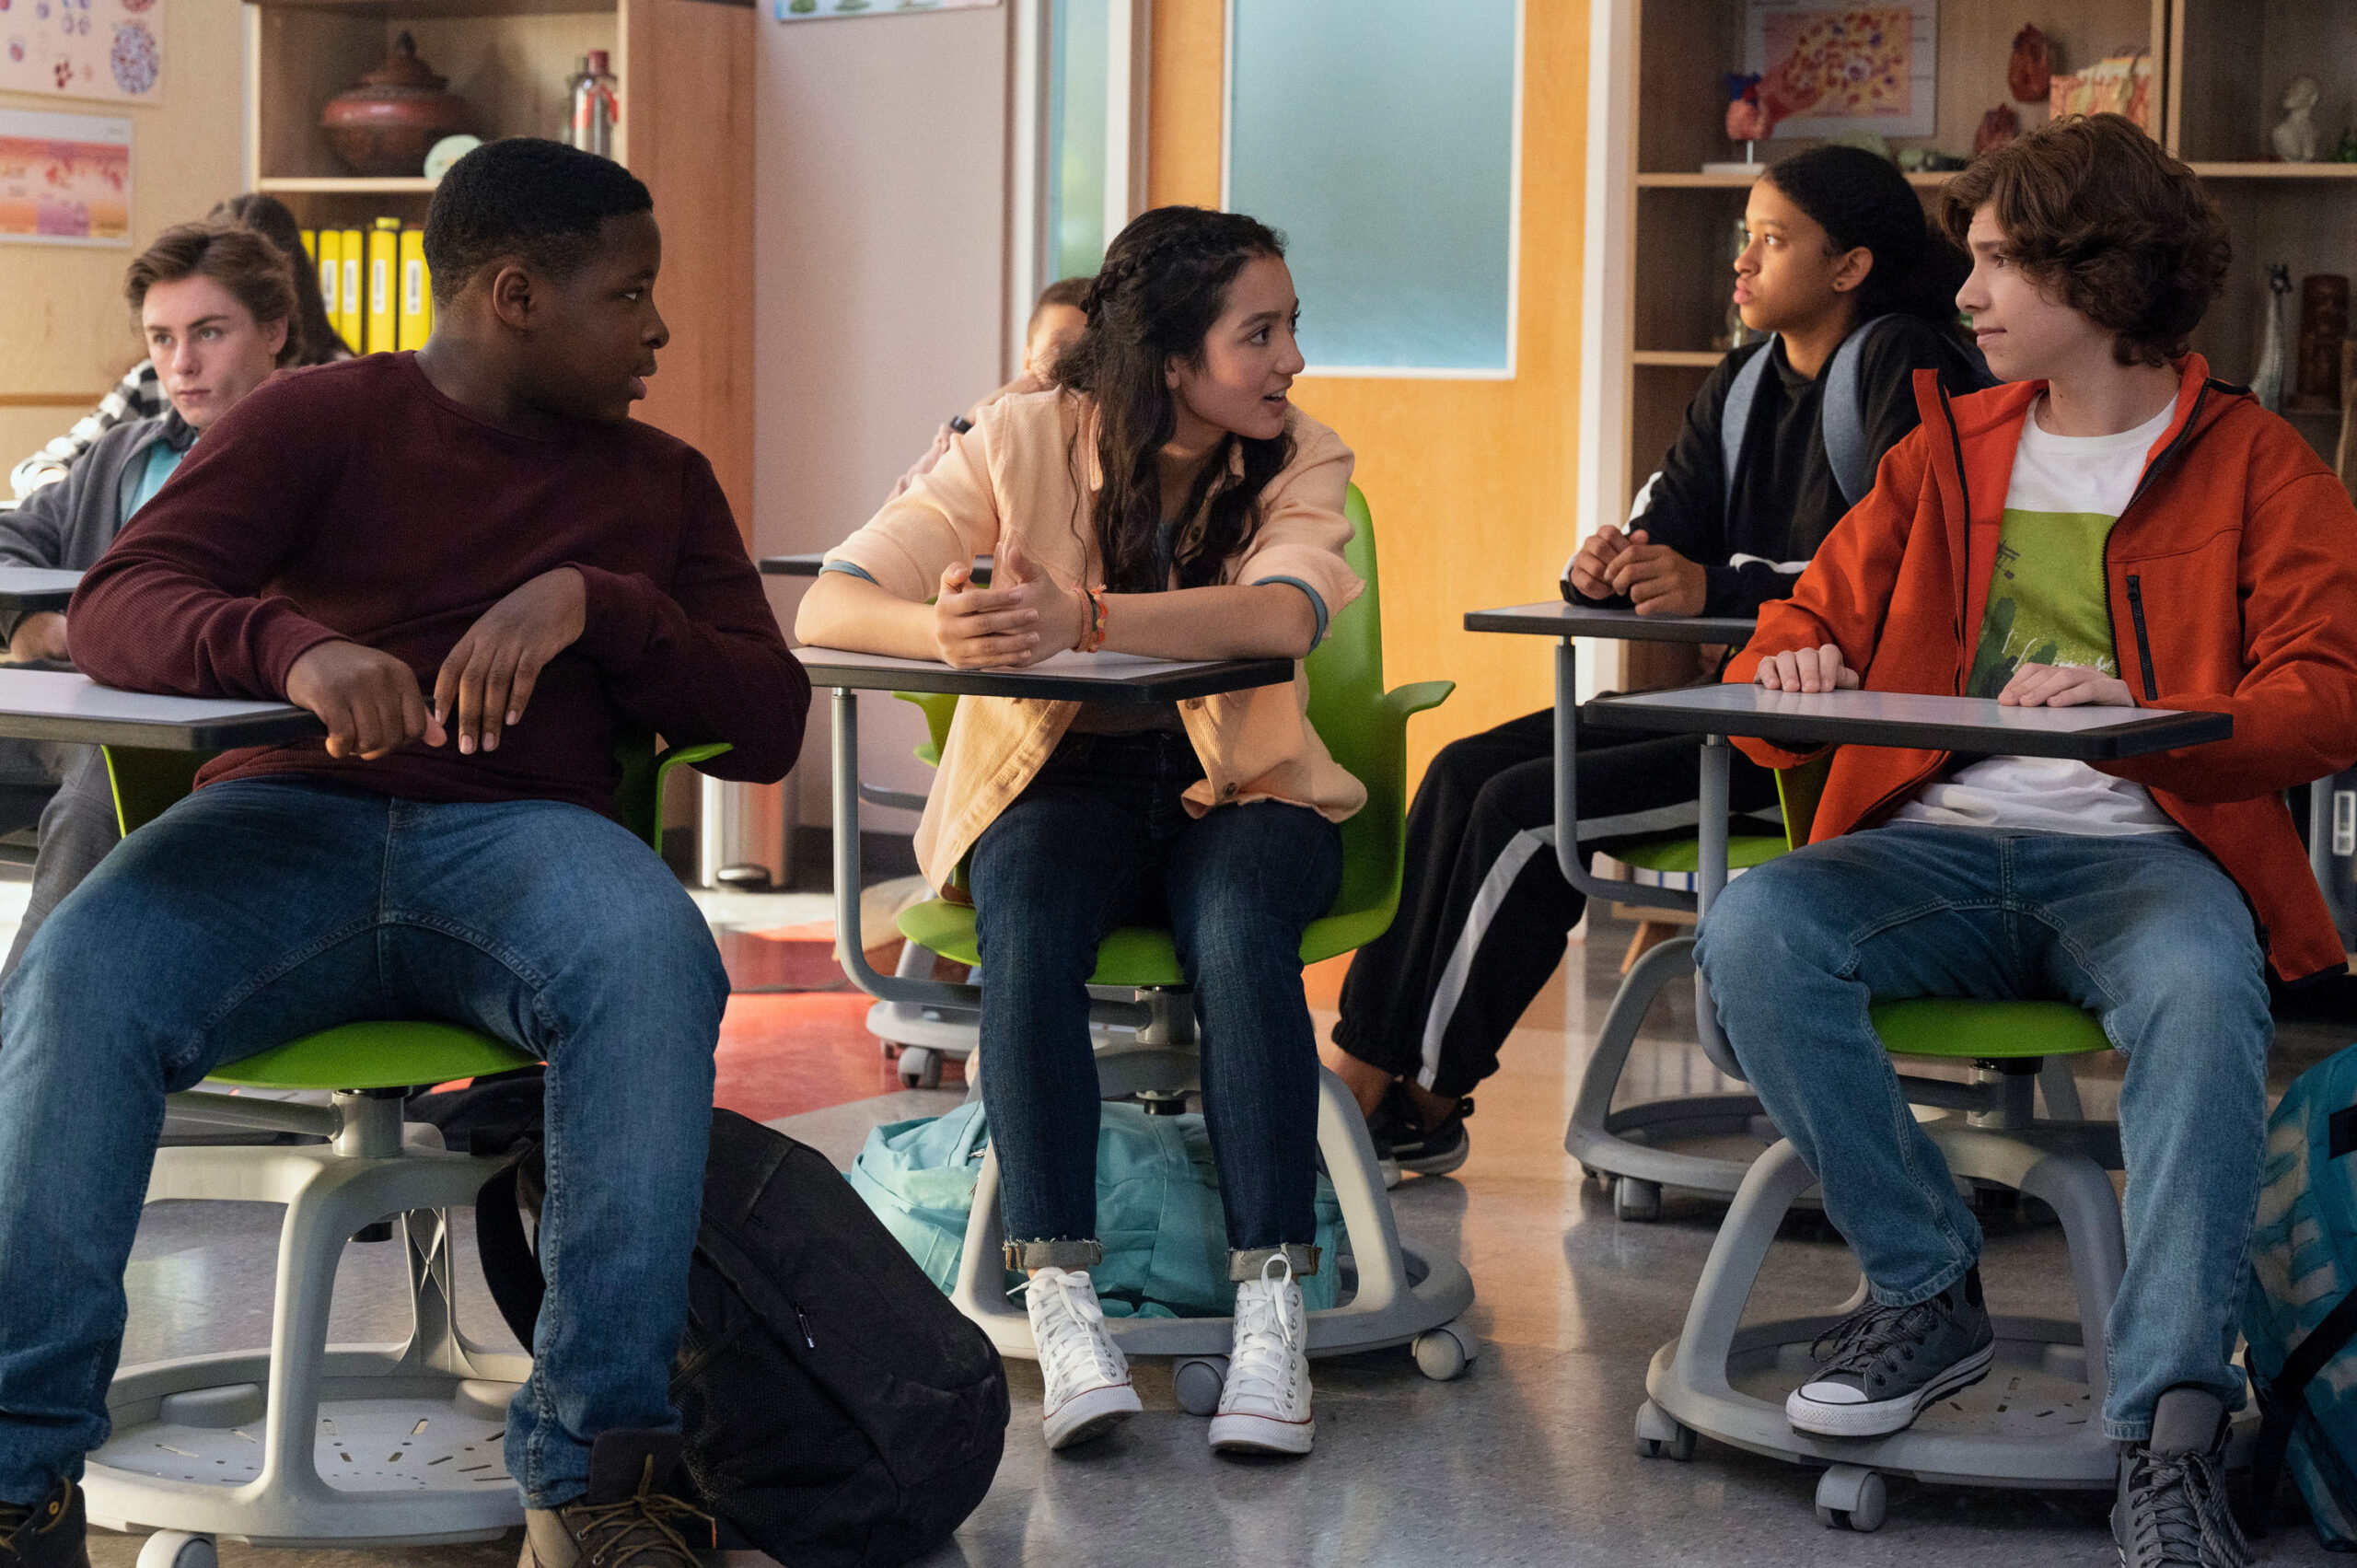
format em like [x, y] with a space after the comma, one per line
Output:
[1400, 1298]
[308, 1444]
[2035, 1419]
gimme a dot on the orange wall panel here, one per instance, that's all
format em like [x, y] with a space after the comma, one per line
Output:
[1470, 482]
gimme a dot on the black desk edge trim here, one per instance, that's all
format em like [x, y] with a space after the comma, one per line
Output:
[2131, 739]
[1633, 631]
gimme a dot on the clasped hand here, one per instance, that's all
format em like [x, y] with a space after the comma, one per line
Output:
[2032, 685]
[370, 700]
[1023, 616]
[1656, 578]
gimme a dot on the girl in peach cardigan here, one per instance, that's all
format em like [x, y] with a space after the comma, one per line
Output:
[1165, 499]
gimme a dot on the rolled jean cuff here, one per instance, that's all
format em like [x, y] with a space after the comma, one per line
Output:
[1062, 1253]
[1940, 1282]
[1249, 1265]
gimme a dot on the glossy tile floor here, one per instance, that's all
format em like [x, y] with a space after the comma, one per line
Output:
[1527, 1460]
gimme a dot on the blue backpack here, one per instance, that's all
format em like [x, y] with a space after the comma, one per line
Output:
[2300, 1307]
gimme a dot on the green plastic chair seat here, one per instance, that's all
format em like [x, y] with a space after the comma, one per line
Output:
[1134, 955]
[375, 1056]
[1952, 1027]
[1673, 856]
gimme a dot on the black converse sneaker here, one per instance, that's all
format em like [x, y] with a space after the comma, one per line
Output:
[1882, 1364]
[1402, 1141]
[50, 1534]
[2171, 1507]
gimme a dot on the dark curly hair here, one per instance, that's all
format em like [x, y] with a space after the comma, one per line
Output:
[523, 196]
[2094, 211]
[1161, 289]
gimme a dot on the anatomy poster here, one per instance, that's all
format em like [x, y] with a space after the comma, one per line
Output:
[106, 49]
[1837, 69]
[64, 178]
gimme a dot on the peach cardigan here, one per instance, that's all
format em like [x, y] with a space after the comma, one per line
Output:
[1021, 467]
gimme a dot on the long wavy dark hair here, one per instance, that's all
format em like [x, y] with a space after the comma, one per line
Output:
[1163, 285]
[313, 334]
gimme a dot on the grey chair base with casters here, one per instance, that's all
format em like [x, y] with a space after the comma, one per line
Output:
[1401, 1297]
[308, 1443]
[2035, 1422]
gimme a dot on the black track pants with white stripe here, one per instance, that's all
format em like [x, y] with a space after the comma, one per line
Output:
[1484, 913]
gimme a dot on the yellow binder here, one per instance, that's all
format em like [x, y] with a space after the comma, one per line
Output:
[310, 243]
[384, 307]
[330, 259]
[416, 322]
[352, 313]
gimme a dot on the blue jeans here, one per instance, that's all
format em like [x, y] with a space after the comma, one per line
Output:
[256, 912]
[2148, 934]
[1099, 840]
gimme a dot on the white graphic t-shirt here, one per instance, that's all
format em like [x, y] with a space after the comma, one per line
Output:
[2048, 604]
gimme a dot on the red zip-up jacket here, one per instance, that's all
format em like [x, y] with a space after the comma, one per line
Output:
[2232, 579]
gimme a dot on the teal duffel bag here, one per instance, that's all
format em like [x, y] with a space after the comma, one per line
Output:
[1157, 1208]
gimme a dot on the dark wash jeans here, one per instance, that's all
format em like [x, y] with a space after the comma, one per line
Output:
[257, 911]
[1101, 839]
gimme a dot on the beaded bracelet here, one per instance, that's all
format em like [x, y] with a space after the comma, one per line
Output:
[1100, 617]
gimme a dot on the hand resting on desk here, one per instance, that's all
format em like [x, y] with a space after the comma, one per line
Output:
[40, 637]
[1655, 579]
[2032, 685]
[1806, 669]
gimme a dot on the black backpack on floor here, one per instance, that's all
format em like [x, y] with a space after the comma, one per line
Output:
[839, 1412]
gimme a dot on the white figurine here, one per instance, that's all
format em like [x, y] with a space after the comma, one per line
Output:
[2295, 136]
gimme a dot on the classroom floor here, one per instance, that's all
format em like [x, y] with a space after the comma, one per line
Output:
[1526, 1461]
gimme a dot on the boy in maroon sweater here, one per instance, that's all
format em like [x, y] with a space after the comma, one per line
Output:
[477, 570]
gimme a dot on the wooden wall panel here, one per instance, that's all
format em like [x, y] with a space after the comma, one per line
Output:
[687, 74]
[1470, 482]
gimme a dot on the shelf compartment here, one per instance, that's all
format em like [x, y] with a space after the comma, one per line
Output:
[2276, 170]
[332, 185]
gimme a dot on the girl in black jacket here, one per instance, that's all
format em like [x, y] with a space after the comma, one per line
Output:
[1837, 247]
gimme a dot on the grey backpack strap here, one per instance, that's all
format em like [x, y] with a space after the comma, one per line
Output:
[1735, 419]
[1841, 417]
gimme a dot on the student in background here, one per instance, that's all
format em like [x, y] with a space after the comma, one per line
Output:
[1842, 269]
[2138, 534]
[1057, 321]
[141, 393]
[215, 304]
[478, 570]
[1215, 531]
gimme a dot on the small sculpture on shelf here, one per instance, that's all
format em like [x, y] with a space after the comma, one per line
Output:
[2029, 74]
[2295, 136]
[383, 126]
[2267, 382]
[2324, 322]
[1998, 126]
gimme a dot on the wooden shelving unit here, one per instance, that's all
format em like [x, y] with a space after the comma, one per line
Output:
[686, 128]
[2220, 70]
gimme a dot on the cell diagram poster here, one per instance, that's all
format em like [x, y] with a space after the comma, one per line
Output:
[102, 49]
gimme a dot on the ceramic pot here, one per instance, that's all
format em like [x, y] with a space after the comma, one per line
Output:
[384, 126]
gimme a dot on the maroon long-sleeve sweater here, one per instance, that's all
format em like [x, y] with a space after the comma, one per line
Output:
[354, 502]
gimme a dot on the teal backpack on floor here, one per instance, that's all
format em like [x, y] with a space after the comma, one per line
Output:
[1157, 1208]
[2300, 1309]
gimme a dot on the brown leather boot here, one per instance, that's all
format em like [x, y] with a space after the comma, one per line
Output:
[628, 1518]
[50, 1534]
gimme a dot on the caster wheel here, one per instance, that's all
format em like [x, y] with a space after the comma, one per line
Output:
[1661, 1435]
[1849, 1498]
[1636, 1201]
[1197, 1380]
[178, 1549]
[1444, 1353]
[920, 1068]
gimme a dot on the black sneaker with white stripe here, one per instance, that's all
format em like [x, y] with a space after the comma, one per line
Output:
[1403, 1142]
[1881, 1365]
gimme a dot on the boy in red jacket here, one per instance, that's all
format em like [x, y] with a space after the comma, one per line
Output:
[2112, 527]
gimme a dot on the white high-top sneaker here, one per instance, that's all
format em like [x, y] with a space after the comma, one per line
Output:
[1087, 1376]
[1264, 1404]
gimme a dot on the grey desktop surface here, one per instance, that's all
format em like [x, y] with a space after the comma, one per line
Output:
[36, 588]
[43, 705]
[1553, 618]
[1895, 718]
[877, 672]
[807, 563]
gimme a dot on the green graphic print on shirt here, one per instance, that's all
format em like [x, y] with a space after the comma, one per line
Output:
[2047, 598]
